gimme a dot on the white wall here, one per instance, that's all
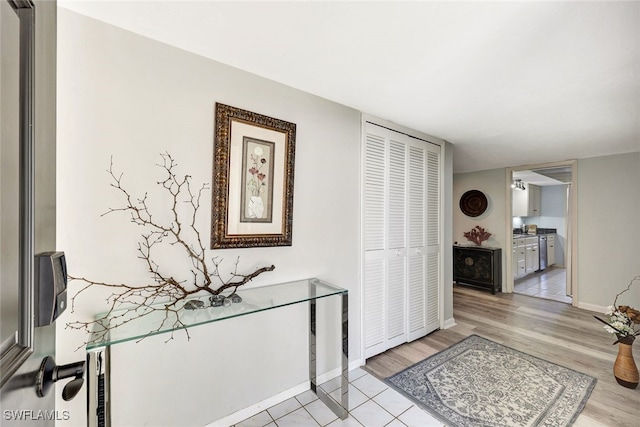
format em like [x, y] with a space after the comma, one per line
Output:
[492, 183]
[125, 96]
[608, 231]
[447, 224]
[132, 98]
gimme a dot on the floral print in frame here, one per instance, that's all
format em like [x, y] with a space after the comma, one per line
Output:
[257, 181]
[253, 171]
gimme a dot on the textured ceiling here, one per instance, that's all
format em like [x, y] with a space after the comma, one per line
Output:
[508, 83]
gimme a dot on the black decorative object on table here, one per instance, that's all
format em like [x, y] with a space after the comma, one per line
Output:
[221, 300]
[193, 305]
[216, 300]
[478, 266]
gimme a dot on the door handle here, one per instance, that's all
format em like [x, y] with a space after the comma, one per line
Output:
[49, 373]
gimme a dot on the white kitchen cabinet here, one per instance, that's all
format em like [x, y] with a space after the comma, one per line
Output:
[532, 255]
[532, 260]
[519, 257]
[551, 249]
[535, 196]
[520, 202]
[514, 258]
[527, 202]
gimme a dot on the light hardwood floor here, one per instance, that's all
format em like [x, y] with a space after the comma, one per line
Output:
[551, 330]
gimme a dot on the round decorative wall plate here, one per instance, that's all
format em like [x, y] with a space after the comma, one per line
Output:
[473, 203]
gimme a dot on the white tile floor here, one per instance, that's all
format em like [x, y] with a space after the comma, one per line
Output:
[547, 284]
[371, 404]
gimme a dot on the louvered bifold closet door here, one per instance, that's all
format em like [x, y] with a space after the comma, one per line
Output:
[434, 244]
[375, 272]
[397, 236]
[423, 315]
[417, 294]
[397, 232]
[385, 241]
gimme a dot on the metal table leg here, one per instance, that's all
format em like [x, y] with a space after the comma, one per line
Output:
[99, 387]
[341, 409]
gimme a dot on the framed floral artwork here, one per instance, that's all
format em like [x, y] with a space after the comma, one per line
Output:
[253, 169]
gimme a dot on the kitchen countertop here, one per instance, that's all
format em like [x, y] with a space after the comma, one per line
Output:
[540, 231]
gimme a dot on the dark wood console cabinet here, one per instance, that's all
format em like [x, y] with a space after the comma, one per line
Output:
[478, 266]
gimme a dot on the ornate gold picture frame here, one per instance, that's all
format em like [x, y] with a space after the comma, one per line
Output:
[253, 169]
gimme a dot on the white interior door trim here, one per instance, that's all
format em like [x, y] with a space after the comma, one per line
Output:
[571, 261]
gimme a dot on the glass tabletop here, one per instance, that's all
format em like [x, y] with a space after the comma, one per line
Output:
[138, 323]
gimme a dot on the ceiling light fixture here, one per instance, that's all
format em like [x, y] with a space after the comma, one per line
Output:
[518, 184]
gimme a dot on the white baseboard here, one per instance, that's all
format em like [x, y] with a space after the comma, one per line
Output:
[252, 410]
[245, 413]
[449, 323]
[354, 364]
[592, 307]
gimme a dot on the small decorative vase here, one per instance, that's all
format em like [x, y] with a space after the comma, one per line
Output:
[624, 368]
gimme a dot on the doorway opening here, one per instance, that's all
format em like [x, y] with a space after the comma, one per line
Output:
[541, 208]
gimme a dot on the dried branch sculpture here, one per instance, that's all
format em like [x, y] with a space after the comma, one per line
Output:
[127, 302]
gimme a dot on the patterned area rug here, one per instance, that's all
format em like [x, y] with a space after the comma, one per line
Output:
[478, 382]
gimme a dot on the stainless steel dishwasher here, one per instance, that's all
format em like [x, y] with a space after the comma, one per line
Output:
[542, 251]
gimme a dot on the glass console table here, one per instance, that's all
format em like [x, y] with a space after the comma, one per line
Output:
[254, 300]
